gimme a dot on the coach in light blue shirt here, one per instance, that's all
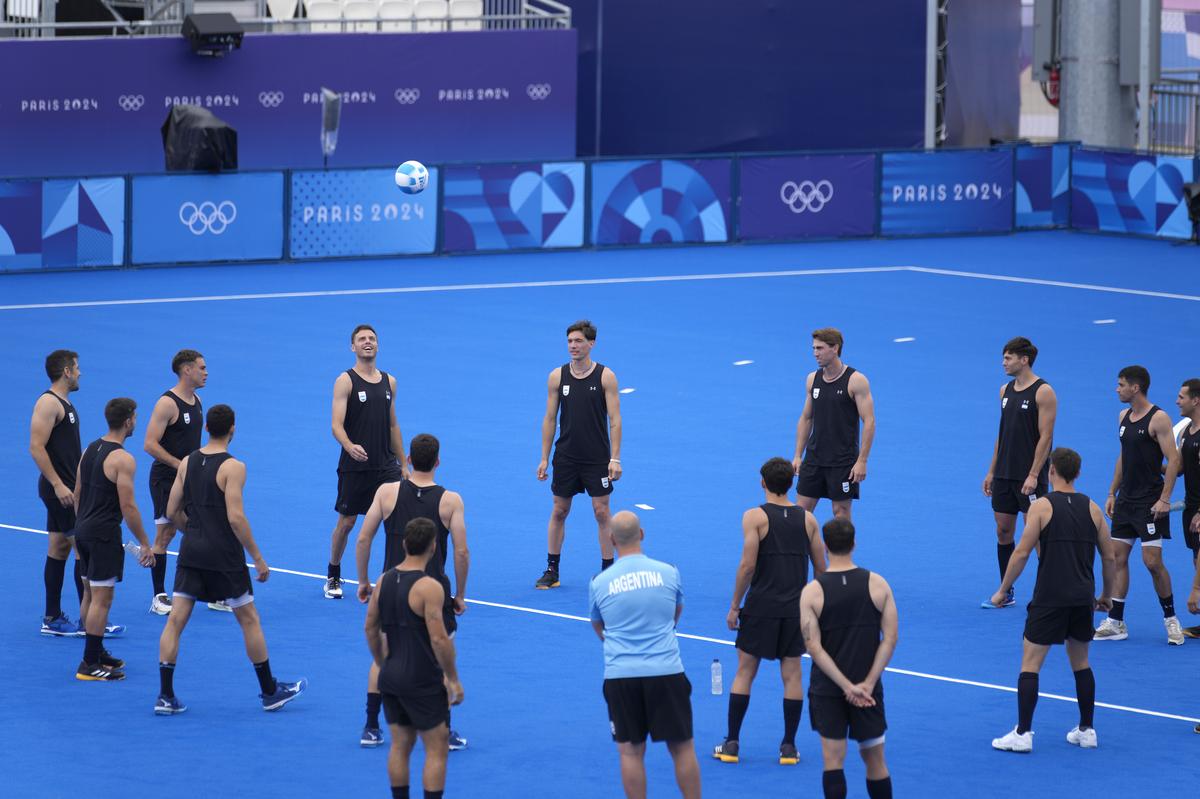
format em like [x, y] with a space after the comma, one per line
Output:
[635, 604]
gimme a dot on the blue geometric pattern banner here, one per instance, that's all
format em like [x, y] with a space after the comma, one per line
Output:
[1130, 193]
[62, 223]
[1043, 185]
[510, 207]
[656, 202]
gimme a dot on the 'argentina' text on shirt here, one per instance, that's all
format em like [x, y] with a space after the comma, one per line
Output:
[634, 581]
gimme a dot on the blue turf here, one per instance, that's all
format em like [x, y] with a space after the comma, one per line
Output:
[471, 367]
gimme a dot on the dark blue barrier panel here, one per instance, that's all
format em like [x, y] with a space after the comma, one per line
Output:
[62, 223]
[966, 191]
[360, 212]
[188, 218]
[657, 202]
[794, 197]
[513, 207]
[1043, 185]
[96, 105]
[1130, 193]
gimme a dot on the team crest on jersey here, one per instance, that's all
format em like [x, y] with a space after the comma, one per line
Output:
[1024, 405]
[566, 390]
[1004, 403]
[388, 394]
[71, 416]
[816, 393]
[362, 396]
[187, 418]
[1122, 433]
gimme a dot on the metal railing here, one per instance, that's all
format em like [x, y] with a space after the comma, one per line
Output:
[1175, 113]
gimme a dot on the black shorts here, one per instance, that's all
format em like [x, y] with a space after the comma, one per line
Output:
[207, 585]
[568, 478]
[770, 638]
[833, 717]
[1007, 496]
[1132, 520]
[356, 489]
[421, 712]
[160, 492]
[831, 482]
[59, 519]
[101, 560]
[660, 707]
[1191, 539]
[1046, 626]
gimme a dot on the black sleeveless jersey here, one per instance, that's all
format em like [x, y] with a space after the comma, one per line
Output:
[1019, 433]
[63, 445]
[582, 418]
[1141, 459]
[368, 423]
[208, 541]
[833, 439]
[782, 566]
[1189, 454]
[850, 630]
[1065, 577]
[181, 437]
[411, 668]
[99, 516]
[413, 502]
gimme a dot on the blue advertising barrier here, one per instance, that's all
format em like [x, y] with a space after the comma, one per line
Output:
[656, 202]
[96, 105]
[195, 218]
[947, 192]
[62, 223]
[792, 197]
[1121, 192]
[360, 212]
[513, 206]
[1043, 185]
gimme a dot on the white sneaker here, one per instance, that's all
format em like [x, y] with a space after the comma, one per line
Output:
[1174, 631]
[1015, 742]
[1112, 630]
[333, 588]
[220, 605]
[162, 605]
[1084, 739]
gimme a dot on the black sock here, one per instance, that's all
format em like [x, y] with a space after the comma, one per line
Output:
[1003, 555]
[92, 645]
[606, 562]
[434, 794]
[880, 789]
[1085, 692]
[335, 571]
[1118, 610]
[374, 700]
[791, 719]
[158, 573]
[552, 562]
[265, 681]
[834, 783]
[399, 792]
[1168, 605]
[737, 712]
[166, 679]
[53, 575]
[78, 581]
[1027, 696]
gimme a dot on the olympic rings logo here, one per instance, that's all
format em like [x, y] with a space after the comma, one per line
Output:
[131, 102]
[806, 195]
[270, 99]
[407, 96]
[538, 91]
[207, 217]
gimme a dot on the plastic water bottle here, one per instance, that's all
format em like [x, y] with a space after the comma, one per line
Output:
[133, 548]
[717, 685]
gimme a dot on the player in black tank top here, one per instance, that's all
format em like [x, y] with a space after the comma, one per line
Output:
[778, 541]
[1139, 501]
[365, 426]
[829, 461]
[850, 625]
[1188, 403]
[415, 657]
[208, 491]
[583, 403]
[55, 447]
[175, 430]
[1067, 529]
[1018, 470]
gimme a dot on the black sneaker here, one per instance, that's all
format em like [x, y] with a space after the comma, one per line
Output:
[109, 662]
[97, 672]
[549, 579]
[788, 755]
[727, 752]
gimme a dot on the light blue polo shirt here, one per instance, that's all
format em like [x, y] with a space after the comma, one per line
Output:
[636, 599]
